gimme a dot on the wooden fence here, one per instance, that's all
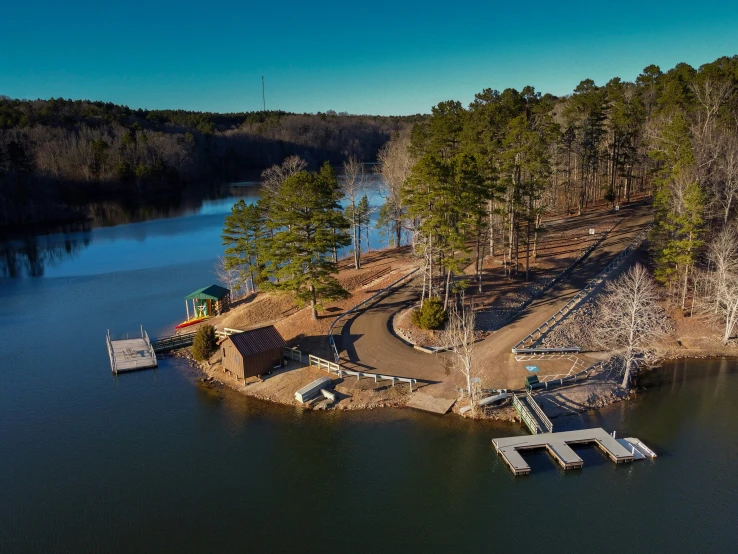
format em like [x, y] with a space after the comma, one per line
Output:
[293, 354]
[226, 332]
[332, 367]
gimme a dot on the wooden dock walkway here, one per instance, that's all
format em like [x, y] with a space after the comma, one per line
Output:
[557, 444]
[131, 354]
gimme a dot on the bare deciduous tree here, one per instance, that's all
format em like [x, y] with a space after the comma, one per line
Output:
[395, 164]
[230, 277]
[726, 187]
[630, 318]
[723, 294]
[353, 184]
[273, 177]
[459, 339]
[711, 95]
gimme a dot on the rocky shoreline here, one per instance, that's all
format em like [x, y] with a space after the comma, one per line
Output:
[279, 387]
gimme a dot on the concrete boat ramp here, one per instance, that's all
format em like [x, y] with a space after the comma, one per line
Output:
[429, 403]
[557, 444]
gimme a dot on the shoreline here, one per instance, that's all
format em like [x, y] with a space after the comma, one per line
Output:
[595, 393]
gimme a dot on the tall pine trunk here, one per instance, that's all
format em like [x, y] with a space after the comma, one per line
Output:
[313, 302]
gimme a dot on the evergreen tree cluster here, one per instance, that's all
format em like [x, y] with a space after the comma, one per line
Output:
[483, 176]
[289, 240]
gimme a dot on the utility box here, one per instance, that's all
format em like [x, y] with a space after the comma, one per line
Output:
[531, 381]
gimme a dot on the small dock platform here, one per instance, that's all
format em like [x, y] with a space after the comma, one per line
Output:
[557, 445]
[131, 354]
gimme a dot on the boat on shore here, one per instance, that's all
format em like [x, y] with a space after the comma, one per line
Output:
[191, 322]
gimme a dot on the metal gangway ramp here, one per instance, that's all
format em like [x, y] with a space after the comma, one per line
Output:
[532, 414]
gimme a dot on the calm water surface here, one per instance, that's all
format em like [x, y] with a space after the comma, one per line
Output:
[153, 462]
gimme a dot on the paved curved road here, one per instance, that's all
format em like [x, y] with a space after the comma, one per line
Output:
[367, 344]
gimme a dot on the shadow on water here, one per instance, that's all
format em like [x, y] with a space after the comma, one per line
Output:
[30, 252]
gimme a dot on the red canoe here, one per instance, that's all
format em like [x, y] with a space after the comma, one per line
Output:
[191, 322]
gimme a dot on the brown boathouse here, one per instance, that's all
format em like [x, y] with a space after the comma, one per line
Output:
[252, 353]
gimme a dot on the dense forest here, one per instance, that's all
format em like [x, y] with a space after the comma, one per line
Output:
[56, 153]
[475, 181]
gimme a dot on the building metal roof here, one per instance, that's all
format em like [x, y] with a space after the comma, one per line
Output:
[213, 292]
[256, 341]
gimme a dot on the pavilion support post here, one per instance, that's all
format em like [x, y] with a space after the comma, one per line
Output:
[187, 307]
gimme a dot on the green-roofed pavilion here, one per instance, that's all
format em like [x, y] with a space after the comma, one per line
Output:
[213, 292]
[208, 301]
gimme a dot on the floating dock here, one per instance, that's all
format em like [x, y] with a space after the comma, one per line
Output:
[557, 445]
[131, 354]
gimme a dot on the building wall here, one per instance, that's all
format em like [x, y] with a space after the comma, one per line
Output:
[249, 366]
[232, 359]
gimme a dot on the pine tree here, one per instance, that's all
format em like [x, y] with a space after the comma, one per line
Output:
[243, 235]
[307, 228]
[679, 203]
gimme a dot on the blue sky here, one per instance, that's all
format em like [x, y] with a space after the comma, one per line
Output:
[380, 57]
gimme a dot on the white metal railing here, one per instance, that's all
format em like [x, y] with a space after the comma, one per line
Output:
[148, 343]
[332, 367]
[226, 332]
[550, 384]
[111, 353]
[539, 412]
[536, 336]
[550, 284]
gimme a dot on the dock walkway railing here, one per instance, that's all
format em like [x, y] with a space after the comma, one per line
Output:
[534, 338]
[111, 352]
[148, 342]
[531, 414]
[173, 342]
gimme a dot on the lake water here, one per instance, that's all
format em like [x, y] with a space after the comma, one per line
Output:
[155, 462]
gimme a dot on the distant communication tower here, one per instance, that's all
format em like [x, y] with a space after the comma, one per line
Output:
[263, 98]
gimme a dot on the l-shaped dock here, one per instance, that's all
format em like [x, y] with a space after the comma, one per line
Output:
[557, 444]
